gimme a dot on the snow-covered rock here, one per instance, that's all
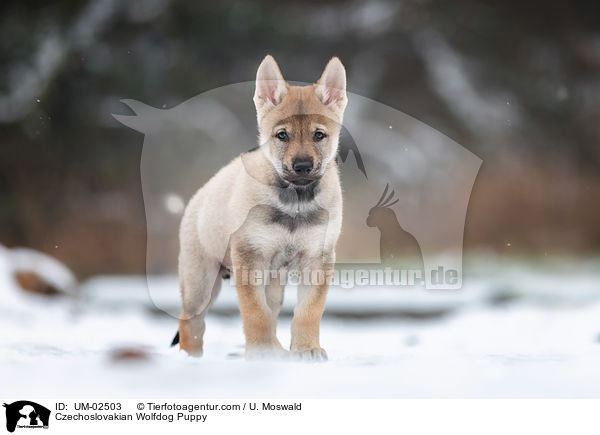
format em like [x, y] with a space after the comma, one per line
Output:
[47, 269]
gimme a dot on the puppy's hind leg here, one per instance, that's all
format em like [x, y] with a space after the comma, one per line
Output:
[200, 285]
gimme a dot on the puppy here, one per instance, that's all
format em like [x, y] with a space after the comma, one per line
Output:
[276, 208]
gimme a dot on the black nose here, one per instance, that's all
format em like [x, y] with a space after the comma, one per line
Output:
[302, 166]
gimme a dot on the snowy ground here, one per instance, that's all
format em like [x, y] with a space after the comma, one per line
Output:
[513, 331]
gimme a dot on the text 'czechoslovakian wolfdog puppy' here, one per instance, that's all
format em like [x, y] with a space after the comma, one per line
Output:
[275, 208]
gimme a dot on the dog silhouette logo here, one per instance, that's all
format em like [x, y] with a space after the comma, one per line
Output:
[26, 414]
[185, 145]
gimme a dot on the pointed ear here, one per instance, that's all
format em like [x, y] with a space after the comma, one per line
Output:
[270, 85]
[331, 87]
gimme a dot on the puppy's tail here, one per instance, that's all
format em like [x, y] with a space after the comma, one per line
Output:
[175, 339]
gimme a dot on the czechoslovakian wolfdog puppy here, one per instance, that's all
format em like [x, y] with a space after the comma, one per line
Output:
[275, 208]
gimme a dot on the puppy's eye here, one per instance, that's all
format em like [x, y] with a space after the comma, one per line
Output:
[319, 136]
[282, 135]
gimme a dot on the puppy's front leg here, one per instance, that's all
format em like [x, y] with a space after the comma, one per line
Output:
[274, 295]
[257, 316]
[307, 315]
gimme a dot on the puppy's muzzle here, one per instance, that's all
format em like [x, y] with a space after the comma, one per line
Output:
[303, 172]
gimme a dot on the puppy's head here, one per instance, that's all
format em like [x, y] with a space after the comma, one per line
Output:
[299, 126]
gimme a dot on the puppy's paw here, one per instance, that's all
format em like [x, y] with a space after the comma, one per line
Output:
[193, 348]
[196, 353]
[313, 354]
[266, 352]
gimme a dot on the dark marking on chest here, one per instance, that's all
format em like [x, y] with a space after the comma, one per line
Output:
[288, 194]
[317, 216]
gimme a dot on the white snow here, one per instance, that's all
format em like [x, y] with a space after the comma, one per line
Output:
[542, 343]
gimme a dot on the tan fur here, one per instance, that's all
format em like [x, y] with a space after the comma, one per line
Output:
[239, 219]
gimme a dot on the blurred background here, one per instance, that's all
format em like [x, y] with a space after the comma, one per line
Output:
[517, 83]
